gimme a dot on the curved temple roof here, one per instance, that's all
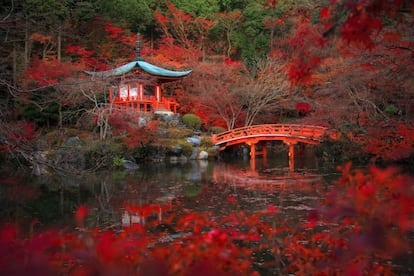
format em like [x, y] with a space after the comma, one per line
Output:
[143, 65]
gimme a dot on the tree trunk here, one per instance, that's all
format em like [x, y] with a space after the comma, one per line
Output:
[14, 54]
[59, 43]
[60, 117]
[26, 45]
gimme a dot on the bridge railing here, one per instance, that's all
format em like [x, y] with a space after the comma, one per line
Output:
[293, 130]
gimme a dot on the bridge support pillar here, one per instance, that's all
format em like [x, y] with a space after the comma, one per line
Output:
[264, 150]
[254, 152]
[253, 156]
[291, 155]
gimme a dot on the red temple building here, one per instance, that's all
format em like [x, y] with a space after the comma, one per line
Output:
[139, 85]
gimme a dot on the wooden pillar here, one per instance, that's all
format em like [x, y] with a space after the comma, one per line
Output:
[264, 149]
[302, 148]
[253, 163]
[157, 93]
[140, 90]
[291, 155]
[110, 94]
[253, 150]
[253, 155]
[264, 152]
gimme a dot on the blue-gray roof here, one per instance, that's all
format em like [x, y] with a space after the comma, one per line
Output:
[144, 66]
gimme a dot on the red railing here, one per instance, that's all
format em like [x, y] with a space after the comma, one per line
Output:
[271, 132]
[148, 103]
[146, 99]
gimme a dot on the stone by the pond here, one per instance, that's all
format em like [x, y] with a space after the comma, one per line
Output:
[203, 155]
[69, 155]
[130, 165]
[194, 153]
[194, 140]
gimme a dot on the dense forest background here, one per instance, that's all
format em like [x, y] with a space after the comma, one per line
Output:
[343, 64]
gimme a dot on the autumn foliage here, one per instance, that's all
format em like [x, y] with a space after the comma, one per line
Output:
[126, 126]
[361, 227]
[389, 142]
[17, 136]
[49, 72]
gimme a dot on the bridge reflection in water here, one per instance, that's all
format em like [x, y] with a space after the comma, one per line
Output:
[271, 184]
[259, 135]
[269, 179]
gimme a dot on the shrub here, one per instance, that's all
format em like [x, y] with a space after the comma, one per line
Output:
[216, 130]
[206, 142]
[391, 110]
[187, 148]
[179, 133]
[192, 121]
[118, 162]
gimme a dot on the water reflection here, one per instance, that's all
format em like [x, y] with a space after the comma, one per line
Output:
[196, 186]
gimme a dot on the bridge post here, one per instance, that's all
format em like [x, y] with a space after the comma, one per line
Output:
[252, 155]
[254, 152]
[252, 149]
[291, 146]
[264, 150]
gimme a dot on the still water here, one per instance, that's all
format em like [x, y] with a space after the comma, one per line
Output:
[219, 188]
[198, 185]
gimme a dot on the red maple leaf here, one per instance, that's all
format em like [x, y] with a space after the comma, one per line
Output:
[80, 215]
[231, 199]
[324, 14]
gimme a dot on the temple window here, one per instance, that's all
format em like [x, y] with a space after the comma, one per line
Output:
[149, 90]
[133, 91]
[123, 90]
[115, 92]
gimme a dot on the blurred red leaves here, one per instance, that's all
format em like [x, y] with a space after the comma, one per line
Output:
[8, 233]
[358, 28]
[231, 199]
[271, 209]
[80, 215]
[324, 14]
[303, 108]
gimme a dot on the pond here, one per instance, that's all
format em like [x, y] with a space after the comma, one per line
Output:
[199, 185]
[228, 193]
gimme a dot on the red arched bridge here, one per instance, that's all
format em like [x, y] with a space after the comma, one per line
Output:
[290, 134]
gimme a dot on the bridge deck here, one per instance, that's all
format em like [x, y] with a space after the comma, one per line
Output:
[285, 132]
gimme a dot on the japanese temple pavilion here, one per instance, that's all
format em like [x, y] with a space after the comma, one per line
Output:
[139, 85]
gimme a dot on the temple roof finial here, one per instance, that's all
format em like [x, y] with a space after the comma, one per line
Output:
[138, 48]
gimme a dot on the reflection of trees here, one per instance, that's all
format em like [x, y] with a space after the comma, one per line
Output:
[105, 214]
[51, 200]
[106, 193]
